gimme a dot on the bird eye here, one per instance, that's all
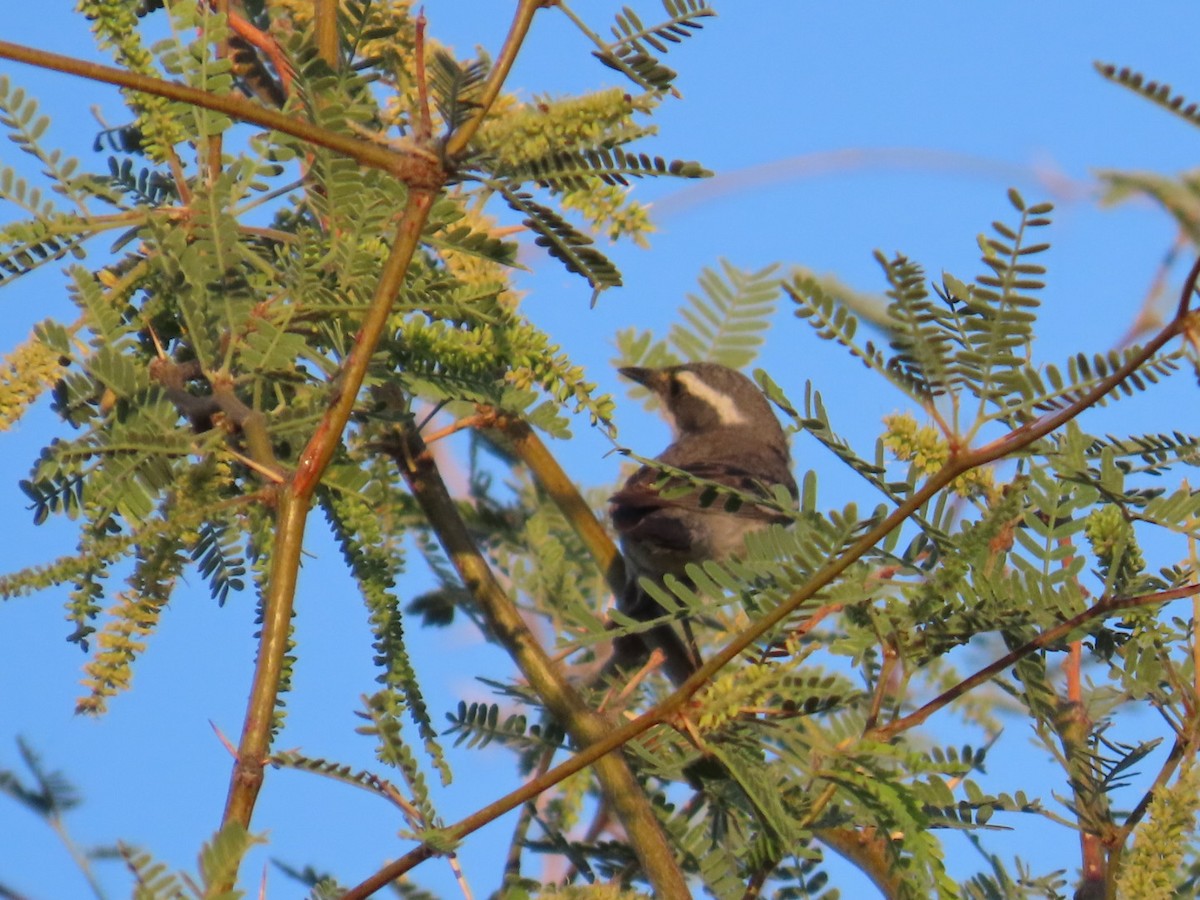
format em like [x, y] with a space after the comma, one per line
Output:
[676, 387]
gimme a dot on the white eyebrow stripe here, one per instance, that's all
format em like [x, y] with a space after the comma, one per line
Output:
[726, 409]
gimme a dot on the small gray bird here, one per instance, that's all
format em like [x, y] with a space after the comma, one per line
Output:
[724, 432]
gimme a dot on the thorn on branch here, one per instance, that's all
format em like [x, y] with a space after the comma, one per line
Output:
[225, 742]
[424, 132]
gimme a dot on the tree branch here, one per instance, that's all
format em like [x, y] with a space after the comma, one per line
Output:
[621, 790]
[325, 25]
[866, 850]
[294, 500]
[1073, 726]
[414, 165]
[215, 142]
[562, 491]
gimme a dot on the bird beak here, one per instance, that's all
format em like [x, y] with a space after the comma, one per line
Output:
[654, 379]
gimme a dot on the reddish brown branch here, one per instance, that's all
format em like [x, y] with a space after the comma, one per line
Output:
[294, 499]
[1073, 731]
[215, 141]
[1027, 434]
[886, 669]
[1051, 636]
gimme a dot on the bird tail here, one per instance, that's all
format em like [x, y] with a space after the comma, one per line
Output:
[681, 658]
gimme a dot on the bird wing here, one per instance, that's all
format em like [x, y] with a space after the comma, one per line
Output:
[649, 489]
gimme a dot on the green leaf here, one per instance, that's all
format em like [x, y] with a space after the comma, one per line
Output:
[727, 322]
[562, 241]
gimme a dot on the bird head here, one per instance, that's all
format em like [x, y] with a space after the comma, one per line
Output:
[702, 397]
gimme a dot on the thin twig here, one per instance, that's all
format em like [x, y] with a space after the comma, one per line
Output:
[805, 627]
[271, 474]
[81, 859]
[1194, 560]
[512, 861]
[472, 421]
[269, 47]
[1187, 736]
[757, 880]
[1184, 746]
[653, 662]
[605, 48]
[179, 176]
[459, 877]
[890, 659]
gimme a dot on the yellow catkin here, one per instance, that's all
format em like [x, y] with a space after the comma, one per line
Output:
[24, 374]
[926, 448]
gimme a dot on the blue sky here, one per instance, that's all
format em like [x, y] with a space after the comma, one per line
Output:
[834, 129]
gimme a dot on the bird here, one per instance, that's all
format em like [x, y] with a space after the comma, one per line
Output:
[724, 432]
